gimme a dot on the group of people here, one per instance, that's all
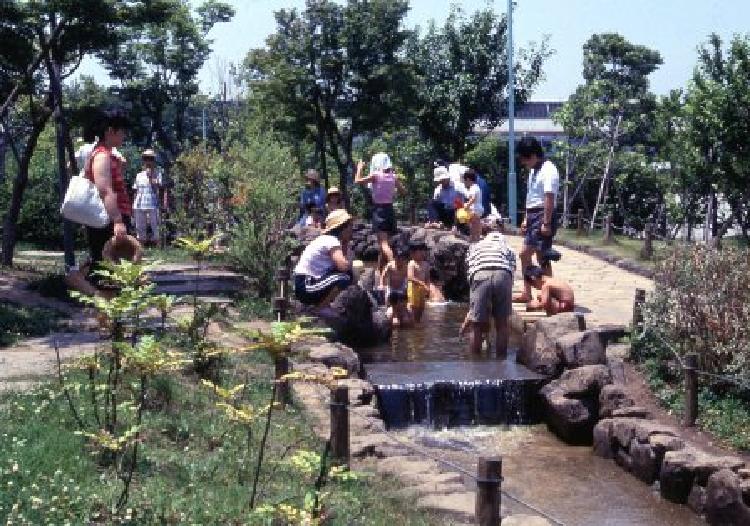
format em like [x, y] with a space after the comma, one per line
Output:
[325, 267]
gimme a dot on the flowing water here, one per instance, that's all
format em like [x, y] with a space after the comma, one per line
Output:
[569, 483]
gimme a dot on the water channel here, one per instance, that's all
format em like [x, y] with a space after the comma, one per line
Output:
[569, 483]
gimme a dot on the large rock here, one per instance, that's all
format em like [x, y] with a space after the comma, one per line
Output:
[577, 349]
[571, 403]
[334, 355]
[539, 346]
[645, 464]
[613, 397]
[724, 505]
[681, 469]
[448, 259]
[354, 321]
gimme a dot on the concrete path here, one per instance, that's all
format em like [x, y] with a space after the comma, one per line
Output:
[603, 291]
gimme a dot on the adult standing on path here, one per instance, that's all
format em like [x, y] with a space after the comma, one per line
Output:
[491, 263]
[540, 223]
[105, 168]
[147, 185]
[323, 269]
[384, 182]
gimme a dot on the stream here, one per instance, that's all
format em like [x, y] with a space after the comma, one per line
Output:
[569, 483]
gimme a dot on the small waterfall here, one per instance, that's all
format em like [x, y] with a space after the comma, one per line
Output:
[462, 403]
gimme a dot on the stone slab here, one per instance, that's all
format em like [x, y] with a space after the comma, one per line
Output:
[432, 372]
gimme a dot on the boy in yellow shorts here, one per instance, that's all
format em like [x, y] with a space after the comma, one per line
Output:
[418, 274]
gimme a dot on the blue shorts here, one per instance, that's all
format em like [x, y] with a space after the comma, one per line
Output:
[311, 291]
[534, 237]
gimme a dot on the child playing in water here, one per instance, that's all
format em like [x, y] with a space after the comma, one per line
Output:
[556, 296]
[418, 272]
[394, 280]
[473, 203]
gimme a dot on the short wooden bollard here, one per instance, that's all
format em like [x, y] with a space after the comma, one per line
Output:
[608, 229]
[648, 243]
[280, 308]
[340, 425]
[640, 299]
[580, 230]
[487, 505]
[281, 368]
[691, 389]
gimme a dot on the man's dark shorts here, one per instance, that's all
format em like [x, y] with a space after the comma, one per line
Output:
[534, 237]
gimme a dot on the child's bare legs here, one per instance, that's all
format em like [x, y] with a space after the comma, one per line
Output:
[385, 249]
[476, 336]
[501, 336]
[416, 313]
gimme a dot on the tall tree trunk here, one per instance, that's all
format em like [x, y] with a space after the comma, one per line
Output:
[19, 187]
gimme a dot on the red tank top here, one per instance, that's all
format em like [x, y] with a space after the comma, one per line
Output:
[118, 179]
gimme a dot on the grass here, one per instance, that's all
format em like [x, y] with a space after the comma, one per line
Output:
[194, 468]
[622, 246]
[725, 416]
[18, 322]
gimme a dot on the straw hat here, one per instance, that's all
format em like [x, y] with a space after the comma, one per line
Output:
[333, 191]
[335, 219]
[148, 154]
[126, 248]
[312, 175]
[441, 174]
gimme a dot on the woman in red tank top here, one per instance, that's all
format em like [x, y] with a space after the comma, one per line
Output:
[106, 170]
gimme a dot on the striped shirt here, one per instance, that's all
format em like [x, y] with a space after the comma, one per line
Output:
[490, 253]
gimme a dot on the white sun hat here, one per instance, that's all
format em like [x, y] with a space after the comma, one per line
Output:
[380, 162]
[441, 174]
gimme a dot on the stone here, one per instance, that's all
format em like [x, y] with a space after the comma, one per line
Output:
[618, 351]
[610, 332]
[448, 260]
[631, 412]
[613, 397]
[660, 444]
[681, 469]
[360, 391]
[602, 437]
[580, 348]
[744, 473]
[525, 520]
[352, 321]
[438, 484]
[697, 499]
[538, 349]
[411, 470]
[458, 505]
[368, 281]
[335, 355]
[645, 465]
[745, 487]
[571, 403]
[623, 432]
[624, 460]
[724, 504]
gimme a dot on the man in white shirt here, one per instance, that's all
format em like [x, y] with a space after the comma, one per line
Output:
[539, 224]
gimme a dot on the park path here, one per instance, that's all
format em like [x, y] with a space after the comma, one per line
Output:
[604, 292]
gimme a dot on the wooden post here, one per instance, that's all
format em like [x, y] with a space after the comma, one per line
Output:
[282, 276]
[340, 425]
[691, 389]
[640, 299]
[487, 504]
[281, 367]
[648, 246]
[280, 307]
[580, 230]
[608, 229]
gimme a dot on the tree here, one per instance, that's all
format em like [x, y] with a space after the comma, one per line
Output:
[608, 120]
[717, 107]
[462, 76]
[157, 66]
[337, 72]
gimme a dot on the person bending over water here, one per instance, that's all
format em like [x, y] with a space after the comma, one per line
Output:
[394, 280]
[418, 289]
[556, 294]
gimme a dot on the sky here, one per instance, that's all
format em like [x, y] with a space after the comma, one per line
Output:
[673, 27]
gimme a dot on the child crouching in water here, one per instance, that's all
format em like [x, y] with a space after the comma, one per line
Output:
[394, 280]
[556, 294]
[418, 272]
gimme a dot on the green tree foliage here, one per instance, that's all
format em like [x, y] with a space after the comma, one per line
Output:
[157, 65]
[337, 71]
[608, 120]
[462, 76]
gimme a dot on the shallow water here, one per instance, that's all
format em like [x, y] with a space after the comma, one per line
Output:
[569, 483]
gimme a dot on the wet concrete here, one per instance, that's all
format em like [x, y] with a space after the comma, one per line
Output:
[567, 482]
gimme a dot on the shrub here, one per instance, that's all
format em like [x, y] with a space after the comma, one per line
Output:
[701, 304]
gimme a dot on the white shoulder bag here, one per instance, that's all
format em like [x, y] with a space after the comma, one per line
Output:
[83, 204]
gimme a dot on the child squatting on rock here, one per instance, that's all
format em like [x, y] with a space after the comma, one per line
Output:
[556, 294]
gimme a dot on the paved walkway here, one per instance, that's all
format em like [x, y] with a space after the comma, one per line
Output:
[603, 291]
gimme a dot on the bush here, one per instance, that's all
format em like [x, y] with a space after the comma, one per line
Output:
[701, 304]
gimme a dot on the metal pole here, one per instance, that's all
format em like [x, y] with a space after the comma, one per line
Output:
[512, 191]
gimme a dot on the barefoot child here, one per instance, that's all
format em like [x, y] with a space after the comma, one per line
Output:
[556, 296]
[394, 280]
[473, 204]
[418, 272]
